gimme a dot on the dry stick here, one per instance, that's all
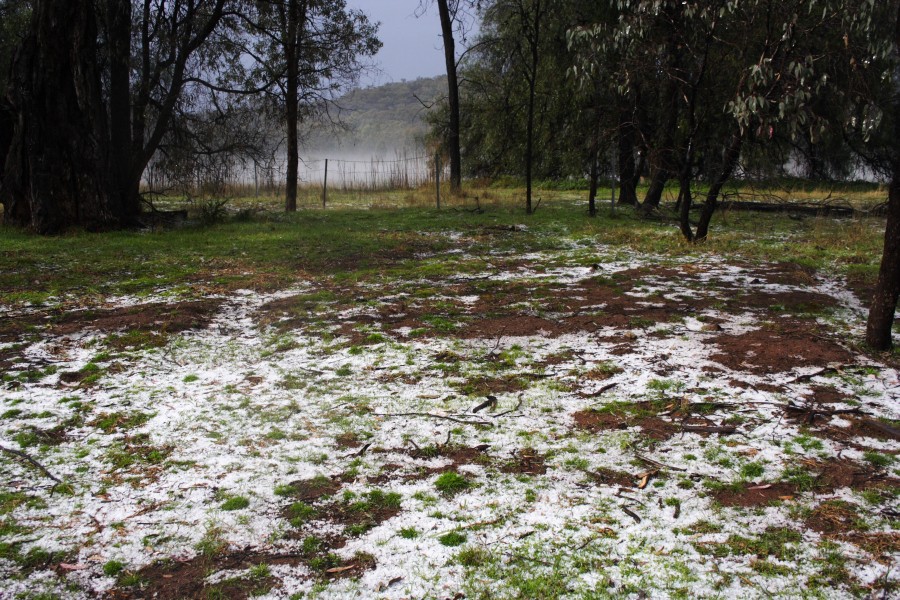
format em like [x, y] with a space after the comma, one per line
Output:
[602, 390]
[631, 513]
[658, 464]
[433, 416]
[20, 454]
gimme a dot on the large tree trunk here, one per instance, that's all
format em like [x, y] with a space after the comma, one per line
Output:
[887, 290]
[124, 185]
[626, 166]
[452, 96]
[56, 169]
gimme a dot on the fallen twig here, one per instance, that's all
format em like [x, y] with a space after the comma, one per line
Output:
[491, 401]
[720, 429]
[650, 461]
[602, 390]
[631, 513]
[434, 416]
[22, 455]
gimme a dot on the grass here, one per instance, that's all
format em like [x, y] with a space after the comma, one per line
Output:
[341, 248]
[451, 483]
[267, 250]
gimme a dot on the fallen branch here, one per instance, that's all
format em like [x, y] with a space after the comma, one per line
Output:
[491, 401]
[602, 390]
[39, 466]
[720, 429]
[434, 416]
[650, 461]
[631, 513]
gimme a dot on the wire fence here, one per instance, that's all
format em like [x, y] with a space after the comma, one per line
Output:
[224, 177]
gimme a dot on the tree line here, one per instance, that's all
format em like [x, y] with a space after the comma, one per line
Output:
[693, 94]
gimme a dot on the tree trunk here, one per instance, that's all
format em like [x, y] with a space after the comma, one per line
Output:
[124, 184]
[291, 57]
[880, 324]
[532, 85]
[592, 194]
[887, 290]
[626, 164]
[729, 163]
[56, 169]
[452, 97]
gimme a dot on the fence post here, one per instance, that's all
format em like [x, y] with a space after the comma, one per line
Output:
[612, 196]
[325, 186]
[437, 179]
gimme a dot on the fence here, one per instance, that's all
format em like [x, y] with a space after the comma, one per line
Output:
[235, 176]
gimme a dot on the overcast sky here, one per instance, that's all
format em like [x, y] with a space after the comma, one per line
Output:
[412, 46]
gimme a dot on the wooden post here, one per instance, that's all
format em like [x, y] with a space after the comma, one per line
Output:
[437, 179]
[612, 195]
[325, 186]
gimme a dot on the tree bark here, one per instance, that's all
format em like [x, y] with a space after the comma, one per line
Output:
[879, 326]
[56, 168]
[626, 166]
[452, 96]
[296, 21]
[532, 87]
[729, 163]
[123, 189]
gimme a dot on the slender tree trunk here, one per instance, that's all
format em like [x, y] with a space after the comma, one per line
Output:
[452, 96]
[592, 194]
[729, 164]
[532, 87]
[295, 23]
[56, 170]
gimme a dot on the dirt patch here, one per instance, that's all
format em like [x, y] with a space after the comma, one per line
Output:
[310, 490]
[827, 395]
[347, 441]
[526, 461]
[156, 317]
[611, 477]
[879, 545]
[755, 494]
[187, 579]
[859, 429]
[778, 348]
[484, 385]
[651, 426]
[834, 516]
[834, 474]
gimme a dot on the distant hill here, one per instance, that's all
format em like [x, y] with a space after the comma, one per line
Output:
[381, 120]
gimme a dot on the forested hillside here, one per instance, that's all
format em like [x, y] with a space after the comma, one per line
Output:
[379, 120]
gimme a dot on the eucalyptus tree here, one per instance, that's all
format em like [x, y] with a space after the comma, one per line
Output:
[310, 50]
[94, 90]
[455, 17]
[727, 74]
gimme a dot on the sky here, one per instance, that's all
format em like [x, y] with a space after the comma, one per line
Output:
[412, 46]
